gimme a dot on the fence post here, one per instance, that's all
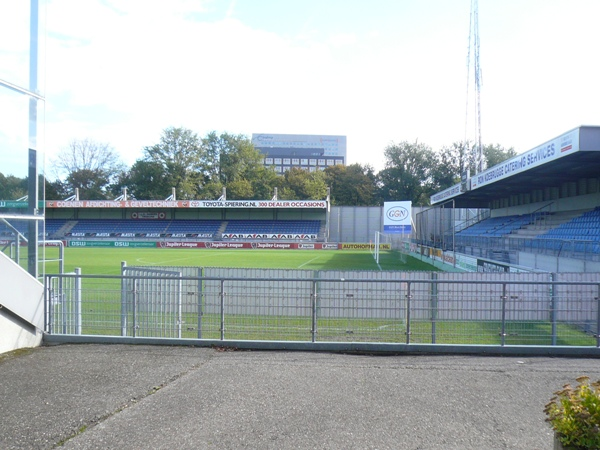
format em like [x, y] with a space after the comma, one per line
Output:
[598, 317]
[313, 306]
[408, 296]
[222, 310]
[503, 326]
[434, 305]
[123, 299]
[63, 308]
[134, 307]
[48, 304]
[553, 308]
[179, 305]
[77, 289]
[200, 296]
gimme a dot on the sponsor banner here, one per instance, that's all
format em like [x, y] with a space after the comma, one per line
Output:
[448, 258]
[292, 204]
[250, 245]
[181, 244]
[53, 243]
[18, 205]
[269, 236]
[228, 245]
[445, 194]
[397, 217]
[491, 267]
[111, 244]
[274, 245]
[148, 215]
[467, 263]
[557, 148]
[362, 246]
[129, 235]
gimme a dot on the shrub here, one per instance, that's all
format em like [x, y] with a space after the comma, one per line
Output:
[574, 414]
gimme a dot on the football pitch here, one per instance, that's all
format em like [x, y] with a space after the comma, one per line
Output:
[107, 261]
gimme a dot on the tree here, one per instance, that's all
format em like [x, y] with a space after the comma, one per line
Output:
[231, 160]
[89, 166]
[408, 173]
[495, 154]
[144, 180]
[300, 184]
[11, 187]
[450, 164]
[352, 185]
[179, 155]
[55, 190]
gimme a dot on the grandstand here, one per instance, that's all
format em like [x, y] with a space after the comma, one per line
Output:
[540, 209]
[307, 230]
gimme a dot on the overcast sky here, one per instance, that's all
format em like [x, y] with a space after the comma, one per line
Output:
[378, 71]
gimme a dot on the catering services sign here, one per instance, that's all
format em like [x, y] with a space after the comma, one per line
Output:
[557, 148]
[397, 217]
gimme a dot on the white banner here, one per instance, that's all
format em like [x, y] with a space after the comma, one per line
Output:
[557, 148]
[397, 217]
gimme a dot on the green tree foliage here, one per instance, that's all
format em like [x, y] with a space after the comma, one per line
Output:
[354, 185]
[232, 161]
[453, 160]
[11, 187]
[144, 180]
[408, 173]
[495, 154]
[450, 163]
[89, 166]
[55, 190]
[300, 184]
[179, 154]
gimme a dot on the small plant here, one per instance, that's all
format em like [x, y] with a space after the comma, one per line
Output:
[574, 414]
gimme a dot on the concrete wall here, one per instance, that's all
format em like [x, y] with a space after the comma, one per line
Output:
[355, 223]
[21, 307]
[550, 263]
[16, 333]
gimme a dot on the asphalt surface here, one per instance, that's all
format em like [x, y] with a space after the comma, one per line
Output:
[145, 397]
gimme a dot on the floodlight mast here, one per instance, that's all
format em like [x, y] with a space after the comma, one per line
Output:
[474, 45]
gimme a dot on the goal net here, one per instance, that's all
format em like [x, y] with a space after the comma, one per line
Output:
[387, 242]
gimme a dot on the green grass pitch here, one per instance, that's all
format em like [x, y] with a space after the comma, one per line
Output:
[107, 261]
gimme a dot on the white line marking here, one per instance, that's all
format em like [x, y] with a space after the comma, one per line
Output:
[308, 262]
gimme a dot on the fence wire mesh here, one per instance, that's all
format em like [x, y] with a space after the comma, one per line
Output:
[332, 306]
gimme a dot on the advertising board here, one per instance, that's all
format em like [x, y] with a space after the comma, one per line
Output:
[397, 217]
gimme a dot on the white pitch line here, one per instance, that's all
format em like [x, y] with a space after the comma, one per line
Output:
[308, 262]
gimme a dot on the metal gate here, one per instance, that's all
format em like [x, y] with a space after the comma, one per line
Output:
[151, 302]
[64, 306]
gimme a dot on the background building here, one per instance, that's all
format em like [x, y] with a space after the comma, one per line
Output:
[307, 151]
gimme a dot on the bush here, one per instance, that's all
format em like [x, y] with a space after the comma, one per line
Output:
[574, 414]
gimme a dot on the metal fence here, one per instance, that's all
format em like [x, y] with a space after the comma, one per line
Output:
[346, 307]
[63, 303]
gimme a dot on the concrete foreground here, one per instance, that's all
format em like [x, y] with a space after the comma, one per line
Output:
[156, 397]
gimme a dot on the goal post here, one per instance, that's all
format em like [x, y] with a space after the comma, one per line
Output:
[389, 242]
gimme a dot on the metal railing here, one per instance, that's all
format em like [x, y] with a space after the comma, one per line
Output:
[497, 310]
